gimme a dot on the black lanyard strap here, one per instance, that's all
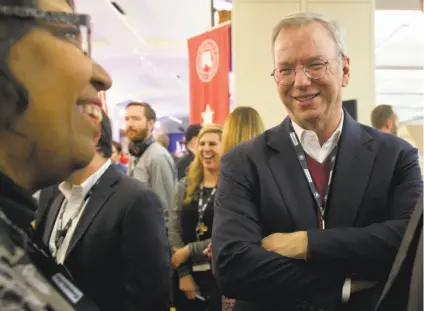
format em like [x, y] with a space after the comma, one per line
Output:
[61, 232]
[38, 255]
[301, 156]
[201, 227]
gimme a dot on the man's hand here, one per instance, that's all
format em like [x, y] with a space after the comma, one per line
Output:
[293, 245]
[180, 256]
[208, 251]
[188, 286]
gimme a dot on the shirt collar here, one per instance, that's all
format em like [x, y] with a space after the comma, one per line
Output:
[80, 191]
[301, 132]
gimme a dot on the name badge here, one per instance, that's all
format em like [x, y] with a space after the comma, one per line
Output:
[202, 267]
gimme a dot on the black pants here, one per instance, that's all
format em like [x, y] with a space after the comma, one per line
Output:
[207, 289]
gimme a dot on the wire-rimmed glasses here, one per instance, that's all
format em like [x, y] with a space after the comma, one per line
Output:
[74, 28]
[314, 70]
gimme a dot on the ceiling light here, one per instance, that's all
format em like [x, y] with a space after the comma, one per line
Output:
[175, 119]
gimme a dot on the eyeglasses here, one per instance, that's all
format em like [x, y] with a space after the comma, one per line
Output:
[70, 27]
[286, 76]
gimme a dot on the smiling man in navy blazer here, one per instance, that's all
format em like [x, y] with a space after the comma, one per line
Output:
[310, 214]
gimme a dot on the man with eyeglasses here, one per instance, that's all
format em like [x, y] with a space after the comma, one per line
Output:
[310, 214]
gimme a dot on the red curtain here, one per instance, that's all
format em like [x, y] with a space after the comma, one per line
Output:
[209, 66]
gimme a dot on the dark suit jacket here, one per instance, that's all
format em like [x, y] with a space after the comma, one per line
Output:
[404, 287]
[119, 252]
[183, 163]
[262, 190]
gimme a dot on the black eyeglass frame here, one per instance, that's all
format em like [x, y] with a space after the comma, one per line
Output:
[47, 16]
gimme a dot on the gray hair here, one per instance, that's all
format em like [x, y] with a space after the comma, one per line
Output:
[303, 18]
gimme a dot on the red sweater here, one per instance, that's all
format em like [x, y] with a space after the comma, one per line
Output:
[320, 174]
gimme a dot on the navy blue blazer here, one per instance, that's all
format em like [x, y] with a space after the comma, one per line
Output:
[262, 190]
[119, 253]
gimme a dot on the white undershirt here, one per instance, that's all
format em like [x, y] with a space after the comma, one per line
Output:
[74, 196]
[310, 142]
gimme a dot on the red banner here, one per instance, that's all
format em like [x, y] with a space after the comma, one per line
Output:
[209, 66]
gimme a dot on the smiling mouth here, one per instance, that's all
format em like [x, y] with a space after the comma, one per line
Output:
[207, 156]
[305, 98]
[91, 108]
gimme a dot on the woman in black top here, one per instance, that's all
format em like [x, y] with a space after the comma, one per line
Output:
[48, 87]
[191, 223]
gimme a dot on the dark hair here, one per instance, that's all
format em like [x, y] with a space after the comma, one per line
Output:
[11, 103]
[71, 3]
[25, 3]
[380, 115]
[192, 131]
[117, 146]
[149, 112]
[13, 96]
[105, 142]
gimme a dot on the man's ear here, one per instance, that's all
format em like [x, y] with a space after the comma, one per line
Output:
[345, 71]
[150, 125]
[389, 123]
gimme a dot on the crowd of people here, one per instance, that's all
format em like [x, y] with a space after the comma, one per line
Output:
[317, 213]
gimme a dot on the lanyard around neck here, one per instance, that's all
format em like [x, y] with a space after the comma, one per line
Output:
[301, 156]
[62, 232]
[201, 208]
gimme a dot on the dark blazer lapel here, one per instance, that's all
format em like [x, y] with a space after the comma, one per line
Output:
[100, 196]
[289, 177]
[409, 235]
[354, 163]
[52, 212]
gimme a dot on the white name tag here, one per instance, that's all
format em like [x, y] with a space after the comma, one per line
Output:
[202, 267]
[69, 289]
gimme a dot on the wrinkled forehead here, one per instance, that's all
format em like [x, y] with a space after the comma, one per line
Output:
[303, 42]
[66, 6]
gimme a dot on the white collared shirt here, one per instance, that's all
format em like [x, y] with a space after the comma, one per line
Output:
[74, 197]
[311, 145]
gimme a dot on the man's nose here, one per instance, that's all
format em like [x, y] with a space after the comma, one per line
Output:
[129, 124]
[301, 80]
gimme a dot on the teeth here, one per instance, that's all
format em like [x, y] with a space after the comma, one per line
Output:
[91, 110]
[210, 156]
[305, 98]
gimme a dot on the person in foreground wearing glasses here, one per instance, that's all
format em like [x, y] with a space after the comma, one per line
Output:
[48, 87]
[310, 214]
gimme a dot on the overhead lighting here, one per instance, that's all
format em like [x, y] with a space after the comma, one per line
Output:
[118, 7]
[175, 119]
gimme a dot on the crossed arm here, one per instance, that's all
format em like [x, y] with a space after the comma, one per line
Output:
[247, 271]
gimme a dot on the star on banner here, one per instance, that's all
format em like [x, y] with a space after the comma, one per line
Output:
[207, 115]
